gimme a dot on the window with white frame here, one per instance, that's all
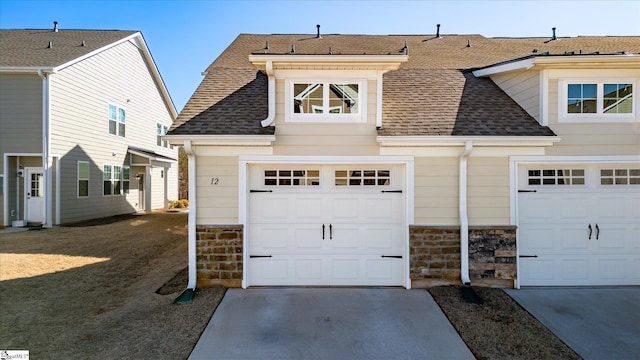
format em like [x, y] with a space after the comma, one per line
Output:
[117, 120]
[112, 180]
[288, 177]
[83, 179]
[597, 100]
[107, 178]
[125, 179]
[326, 101]
[362, 177]
[159, 134]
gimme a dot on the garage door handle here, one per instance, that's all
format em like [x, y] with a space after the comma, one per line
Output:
[330, 232]
[597, 232]
[590, 231]
[322, 231]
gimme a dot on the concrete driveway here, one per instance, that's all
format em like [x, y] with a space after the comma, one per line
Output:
[329, 323]
[597, 323]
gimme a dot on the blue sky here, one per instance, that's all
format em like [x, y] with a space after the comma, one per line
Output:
[186, 36]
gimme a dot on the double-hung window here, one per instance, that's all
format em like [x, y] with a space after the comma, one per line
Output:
[112, 179]
[328, 101]
[83, 179]
[117, 120]
[597, 100]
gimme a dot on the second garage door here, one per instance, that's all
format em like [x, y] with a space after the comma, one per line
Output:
[326, 225]
[579, 225]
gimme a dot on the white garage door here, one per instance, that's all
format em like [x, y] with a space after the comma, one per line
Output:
[579, 225]
[323, 225]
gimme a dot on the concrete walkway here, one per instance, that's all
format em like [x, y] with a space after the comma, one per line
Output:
[329, 323]
[597, 323]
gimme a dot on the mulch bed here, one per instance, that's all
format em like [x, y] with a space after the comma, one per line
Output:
[499, 328]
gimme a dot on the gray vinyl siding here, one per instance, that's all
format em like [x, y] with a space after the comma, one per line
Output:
[20, 114]
[80, 96]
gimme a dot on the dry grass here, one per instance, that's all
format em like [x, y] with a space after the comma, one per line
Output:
[499, 328]
[57, 301]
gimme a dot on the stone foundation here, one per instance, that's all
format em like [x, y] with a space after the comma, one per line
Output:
[434, 255]
[219, 255]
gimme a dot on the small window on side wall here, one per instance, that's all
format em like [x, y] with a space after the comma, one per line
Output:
[83, 179]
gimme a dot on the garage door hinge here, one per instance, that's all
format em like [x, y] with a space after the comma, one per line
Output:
[392, 191]
[528, 256]
[259, 256]
[527, 190]
[259, 191]
[392, 256]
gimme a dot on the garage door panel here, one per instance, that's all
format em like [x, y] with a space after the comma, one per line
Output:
[536, 238]
[574, 270]
[345, 237]
[538, 271]
[274, 238]
[613, 268]
[381, 209]
[574, 239]
[345, 209]
[611, 207]
[307, 209]
[308, 269]
[381, 239]
[306, 238]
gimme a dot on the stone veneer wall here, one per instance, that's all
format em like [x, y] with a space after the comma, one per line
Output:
[434, 255]
[219, 255]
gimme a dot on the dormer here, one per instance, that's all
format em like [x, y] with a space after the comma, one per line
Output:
[326, 88]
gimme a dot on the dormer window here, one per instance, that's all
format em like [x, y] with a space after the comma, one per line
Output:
[326, 101]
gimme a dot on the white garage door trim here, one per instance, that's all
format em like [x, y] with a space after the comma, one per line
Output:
[520, 162]
[407, 163]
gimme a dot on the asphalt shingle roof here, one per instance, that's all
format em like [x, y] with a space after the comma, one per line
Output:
[431, 94]
[30, 48]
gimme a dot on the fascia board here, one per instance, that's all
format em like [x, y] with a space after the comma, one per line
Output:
[221, 140]
[27, 69]
[626, 59]
[381, 60]
[516, 65]
[478, 141]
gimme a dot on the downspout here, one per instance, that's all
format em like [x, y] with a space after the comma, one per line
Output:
[46, 150]
[464, 216]
[191, 157]
[271, 115]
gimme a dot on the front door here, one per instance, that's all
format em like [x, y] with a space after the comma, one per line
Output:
[34, 187]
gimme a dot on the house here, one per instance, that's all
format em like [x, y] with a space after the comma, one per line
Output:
[415, 160]
[82, 113]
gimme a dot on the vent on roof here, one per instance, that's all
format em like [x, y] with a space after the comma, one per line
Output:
[405, 48]
[50, 45]
[318, 36]
[330, 51]
[293, 49]
[266, 46]
[554, 33]
[55, 26]
[83, 44]
[438, 30]
[569, 52]
[468, 43]
[534, 51]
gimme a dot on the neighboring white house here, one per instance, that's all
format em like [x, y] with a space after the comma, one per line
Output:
[82, 113]
[415, 160]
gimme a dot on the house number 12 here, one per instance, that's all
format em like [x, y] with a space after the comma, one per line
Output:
[215, 181]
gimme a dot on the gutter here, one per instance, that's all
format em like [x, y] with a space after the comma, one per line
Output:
[464, 216]
[271, 116]
[188, 293]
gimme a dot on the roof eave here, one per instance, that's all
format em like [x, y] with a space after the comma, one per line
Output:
[478, 141]
[221, 140]
[390, 62]
[27, 69]
[556, 60]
